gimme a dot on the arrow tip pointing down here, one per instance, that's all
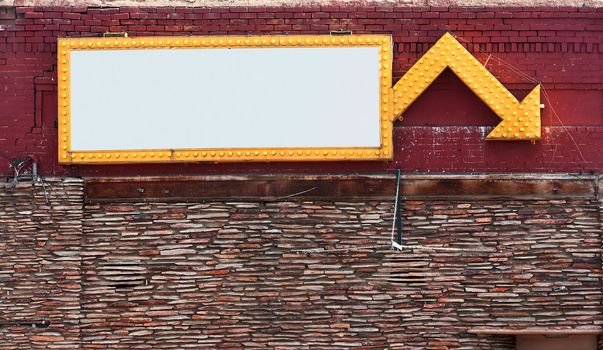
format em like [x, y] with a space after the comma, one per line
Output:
[521, 120]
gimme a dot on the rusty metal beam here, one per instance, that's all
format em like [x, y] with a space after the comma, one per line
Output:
[338, 187]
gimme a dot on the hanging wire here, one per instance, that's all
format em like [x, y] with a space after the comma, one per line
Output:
[546, 96]
[500, 60]
[294, 194]
[487, 60]
[41, 180]
[544, 93]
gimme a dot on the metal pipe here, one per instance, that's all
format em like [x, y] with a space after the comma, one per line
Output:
[398, 217]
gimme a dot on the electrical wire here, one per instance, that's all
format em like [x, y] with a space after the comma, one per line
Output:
[544, 94]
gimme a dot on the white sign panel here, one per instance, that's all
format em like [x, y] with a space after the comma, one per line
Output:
[227, 103]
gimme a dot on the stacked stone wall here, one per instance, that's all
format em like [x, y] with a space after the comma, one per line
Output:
[40, 280]
[227, 274]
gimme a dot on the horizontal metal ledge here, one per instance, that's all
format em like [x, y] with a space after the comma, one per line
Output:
[339, 187]
[535, 331]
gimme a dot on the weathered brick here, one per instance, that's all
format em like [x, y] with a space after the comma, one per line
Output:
[535, 41]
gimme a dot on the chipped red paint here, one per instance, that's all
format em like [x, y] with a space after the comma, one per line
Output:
[442, 132]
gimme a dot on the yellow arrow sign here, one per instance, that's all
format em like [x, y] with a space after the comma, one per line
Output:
[520, 120]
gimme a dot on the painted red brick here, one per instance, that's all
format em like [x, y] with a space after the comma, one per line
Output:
[559, 47]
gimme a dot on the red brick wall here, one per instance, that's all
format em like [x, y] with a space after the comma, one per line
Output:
[559, 46]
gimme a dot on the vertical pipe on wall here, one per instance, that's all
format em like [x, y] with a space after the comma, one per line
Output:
[397, 209]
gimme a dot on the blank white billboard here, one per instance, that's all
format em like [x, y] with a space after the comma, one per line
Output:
[221, 98]
[225, 98]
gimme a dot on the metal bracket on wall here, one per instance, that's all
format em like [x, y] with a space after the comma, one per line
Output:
[115, 35]
[19, 167]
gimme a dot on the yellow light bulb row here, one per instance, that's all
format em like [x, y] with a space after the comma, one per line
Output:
[305, 154]
[223, 41]
[387, 105]
[64, 121]
[382, 42]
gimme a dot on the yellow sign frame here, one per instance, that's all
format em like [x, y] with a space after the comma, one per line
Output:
[69, 156]
[520, 120]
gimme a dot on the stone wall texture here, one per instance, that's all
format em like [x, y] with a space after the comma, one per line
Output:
[40, 269]
[165, 275]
